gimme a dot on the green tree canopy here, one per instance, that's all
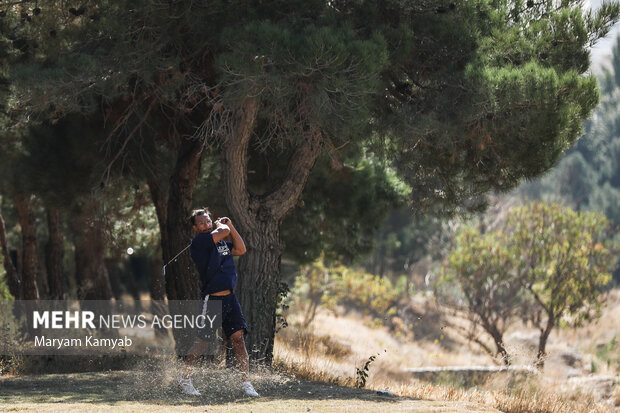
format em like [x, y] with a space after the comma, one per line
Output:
[588, 177]
[482, 266]
[564, 258]
[342, 211]
[547, 265]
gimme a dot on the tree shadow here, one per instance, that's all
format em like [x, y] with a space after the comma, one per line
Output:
[428, 323]
[219, 386]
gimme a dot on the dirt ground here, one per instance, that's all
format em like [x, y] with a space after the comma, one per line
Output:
[155, 390]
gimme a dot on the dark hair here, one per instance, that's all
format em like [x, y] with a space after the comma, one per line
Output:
[197, 213]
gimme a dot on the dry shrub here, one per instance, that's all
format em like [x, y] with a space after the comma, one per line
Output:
[306, 371]
[11, 365]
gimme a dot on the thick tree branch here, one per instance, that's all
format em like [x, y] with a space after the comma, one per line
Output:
[539, 300]
[471, 336]
[235, 162]
[285, 197]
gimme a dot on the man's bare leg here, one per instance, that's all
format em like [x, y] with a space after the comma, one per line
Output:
[194, 354]
[241, 354]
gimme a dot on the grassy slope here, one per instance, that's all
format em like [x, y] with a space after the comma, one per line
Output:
[333, 346]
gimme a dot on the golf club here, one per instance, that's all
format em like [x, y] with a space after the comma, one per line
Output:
[163, 269]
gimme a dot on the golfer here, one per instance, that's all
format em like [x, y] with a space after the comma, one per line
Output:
[214, 260]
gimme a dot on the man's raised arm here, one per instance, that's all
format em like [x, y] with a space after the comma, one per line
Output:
[237, 241]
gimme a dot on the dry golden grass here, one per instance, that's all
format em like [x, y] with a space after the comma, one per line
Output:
[325, 355]
[151, 386]
[309, 355]
[519, 400]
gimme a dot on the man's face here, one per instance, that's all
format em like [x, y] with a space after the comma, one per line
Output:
[203, 224]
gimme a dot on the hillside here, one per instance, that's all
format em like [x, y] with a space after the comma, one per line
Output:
[582, 366]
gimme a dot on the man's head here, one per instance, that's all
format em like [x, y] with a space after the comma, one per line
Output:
[201, 220]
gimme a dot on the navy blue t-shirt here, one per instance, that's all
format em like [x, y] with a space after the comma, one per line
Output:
[214, 263]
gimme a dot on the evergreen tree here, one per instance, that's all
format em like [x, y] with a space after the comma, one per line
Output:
[588, 176]
[342, 209]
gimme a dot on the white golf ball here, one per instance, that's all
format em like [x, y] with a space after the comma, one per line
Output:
[129, 250]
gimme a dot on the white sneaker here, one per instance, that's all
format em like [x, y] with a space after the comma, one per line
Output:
[248, 389]
[187, 387]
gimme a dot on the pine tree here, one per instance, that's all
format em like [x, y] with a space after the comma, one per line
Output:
[588, 176]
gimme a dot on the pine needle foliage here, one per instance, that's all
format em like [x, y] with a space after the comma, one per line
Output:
[464, 96]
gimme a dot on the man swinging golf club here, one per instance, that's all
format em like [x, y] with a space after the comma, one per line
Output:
[214, 261]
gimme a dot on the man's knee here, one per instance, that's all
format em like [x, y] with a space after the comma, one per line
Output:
[237, 337]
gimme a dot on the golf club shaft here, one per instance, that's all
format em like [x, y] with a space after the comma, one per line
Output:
[163, 269]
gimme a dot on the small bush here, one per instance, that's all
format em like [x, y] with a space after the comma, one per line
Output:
[319, 285]
[609, 353]
[361, 374]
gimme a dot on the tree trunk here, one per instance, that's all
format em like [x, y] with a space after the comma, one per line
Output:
[30, 264]
[258, 287]
[498, 339]
[159, 197]
[157, 287]
[181, 279]
[182, 283]
[13, 280]
[542, 344]
[114, 275]
[54, 254]
[92, 276]
[44, 288]
[258, 220]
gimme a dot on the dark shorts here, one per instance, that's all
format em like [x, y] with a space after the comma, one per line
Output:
[232, 317]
